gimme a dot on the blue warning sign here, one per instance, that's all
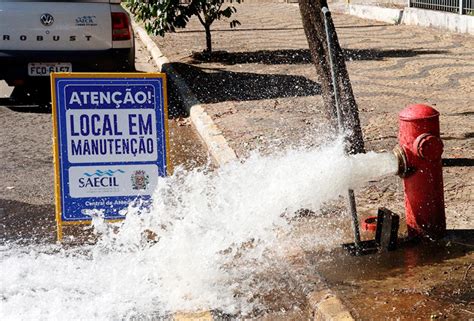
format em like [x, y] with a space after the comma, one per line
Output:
[111, 142]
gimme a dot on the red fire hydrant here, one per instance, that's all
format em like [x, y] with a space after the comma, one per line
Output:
[420, 150]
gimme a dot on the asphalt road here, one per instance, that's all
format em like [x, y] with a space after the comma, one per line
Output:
[26, 166]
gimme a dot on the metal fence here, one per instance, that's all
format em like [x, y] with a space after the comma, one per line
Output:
[456, 6]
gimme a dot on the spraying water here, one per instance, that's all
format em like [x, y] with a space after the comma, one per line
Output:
[207, 234]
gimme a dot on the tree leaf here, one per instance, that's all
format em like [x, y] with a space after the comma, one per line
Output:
[162, 16]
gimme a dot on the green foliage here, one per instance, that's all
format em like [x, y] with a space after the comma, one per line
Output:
[162, 16]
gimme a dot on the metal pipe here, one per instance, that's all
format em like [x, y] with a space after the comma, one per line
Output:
[326, 13]
[350, 192]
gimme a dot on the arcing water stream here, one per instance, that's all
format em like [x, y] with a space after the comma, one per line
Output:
[211, 232]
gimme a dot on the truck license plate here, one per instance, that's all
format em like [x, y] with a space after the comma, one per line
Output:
[44, 69]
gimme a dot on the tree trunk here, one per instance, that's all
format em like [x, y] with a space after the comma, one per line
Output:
[313, 23]
[207, 27]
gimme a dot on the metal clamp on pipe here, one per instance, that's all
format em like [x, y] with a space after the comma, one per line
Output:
[403, 169]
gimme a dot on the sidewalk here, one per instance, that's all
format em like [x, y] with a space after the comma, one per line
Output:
[262, 92]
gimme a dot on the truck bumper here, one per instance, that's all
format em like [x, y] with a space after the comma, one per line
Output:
[14, 64]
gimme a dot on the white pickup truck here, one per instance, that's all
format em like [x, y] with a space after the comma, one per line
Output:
[38, 37]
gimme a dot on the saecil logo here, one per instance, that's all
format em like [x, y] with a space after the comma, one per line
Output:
[100, 179]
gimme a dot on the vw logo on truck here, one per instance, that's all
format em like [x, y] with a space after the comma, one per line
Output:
[47, 19]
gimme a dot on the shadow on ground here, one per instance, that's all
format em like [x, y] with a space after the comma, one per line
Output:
[212, 85]
[458, 162]
[302, 56]
[23, 222]
[282, 29]
[34, 98]
[30, 100]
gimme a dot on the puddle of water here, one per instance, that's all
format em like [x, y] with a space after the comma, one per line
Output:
[186, 149]
[417, 281]
[209, 235]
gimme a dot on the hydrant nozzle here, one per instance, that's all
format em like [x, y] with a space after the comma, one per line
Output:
[403, 169]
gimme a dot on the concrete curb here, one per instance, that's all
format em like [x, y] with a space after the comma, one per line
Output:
[437, 19]
[410, 16]
[211, 135]
[322, 305]
[389, 15]
[196, 316]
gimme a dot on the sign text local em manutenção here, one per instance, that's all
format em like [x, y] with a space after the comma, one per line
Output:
[111, 144]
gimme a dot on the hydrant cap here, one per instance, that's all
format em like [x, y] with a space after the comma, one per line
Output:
[418, 111]
[429, 147]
